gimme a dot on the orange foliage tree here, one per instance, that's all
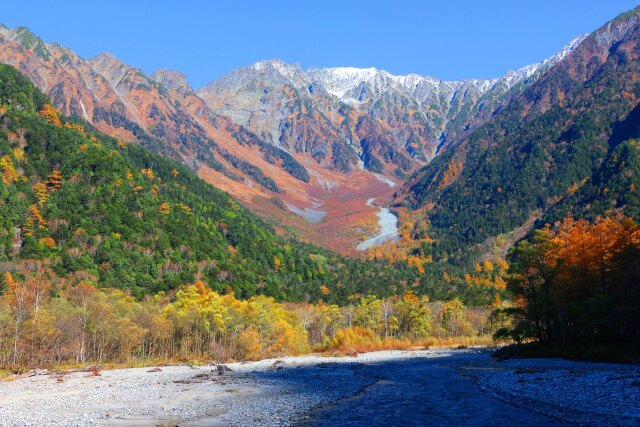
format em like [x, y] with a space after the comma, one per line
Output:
[50, 114]
[579, 282]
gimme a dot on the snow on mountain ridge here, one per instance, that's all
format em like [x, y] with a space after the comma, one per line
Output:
[302, 109]
[291, 72]
[342, 81]
[354, 85]
[513, 76]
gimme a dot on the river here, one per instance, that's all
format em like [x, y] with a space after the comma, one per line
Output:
[424, 392]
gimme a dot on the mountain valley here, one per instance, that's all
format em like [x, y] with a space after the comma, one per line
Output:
[280, 139]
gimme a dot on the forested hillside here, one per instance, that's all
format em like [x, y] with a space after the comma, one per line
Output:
[566, 145]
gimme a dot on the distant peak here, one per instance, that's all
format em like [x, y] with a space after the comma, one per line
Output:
[104, 56]
[23, 30]
[109, 67]
[292, 73]
[277, 64]
[172, 79]
[5, 31]
[23, 35]
[355, 85]
[273, 62]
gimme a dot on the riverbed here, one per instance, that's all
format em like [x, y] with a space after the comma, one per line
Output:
[388, 228]
[428, 387]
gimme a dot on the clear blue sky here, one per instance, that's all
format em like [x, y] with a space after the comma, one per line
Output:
[448, 39]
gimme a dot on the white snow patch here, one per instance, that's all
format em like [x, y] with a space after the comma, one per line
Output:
[385, 180]
[310, 215]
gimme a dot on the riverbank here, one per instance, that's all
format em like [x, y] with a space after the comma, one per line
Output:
[436, 386]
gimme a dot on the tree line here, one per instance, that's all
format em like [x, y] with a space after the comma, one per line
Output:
[44, 321]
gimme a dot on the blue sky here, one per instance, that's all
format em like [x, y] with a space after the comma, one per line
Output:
[448, 39]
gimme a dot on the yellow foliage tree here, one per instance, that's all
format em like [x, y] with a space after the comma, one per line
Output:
[54, 181]
[35, 219]
[50, 114]
[77, 128]
[48, 242]
[165, 209]
[41, 193]
[18, 153]
[147, 172]
[9, 173]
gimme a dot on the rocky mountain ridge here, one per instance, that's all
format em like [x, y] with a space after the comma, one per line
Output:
[393, 123]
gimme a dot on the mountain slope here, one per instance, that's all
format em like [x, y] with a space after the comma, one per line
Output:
[123, 216]
[163, 114]
[93, 208]
[564, 145]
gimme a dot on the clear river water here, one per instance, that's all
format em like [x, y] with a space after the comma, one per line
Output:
[423, 392]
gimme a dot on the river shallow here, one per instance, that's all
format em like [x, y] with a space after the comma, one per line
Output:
[424, 392]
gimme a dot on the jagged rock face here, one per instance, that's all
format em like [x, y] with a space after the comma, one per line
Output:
[273, 100]
[115, 97]
[54, 69]
[341, 117]
[393, 123]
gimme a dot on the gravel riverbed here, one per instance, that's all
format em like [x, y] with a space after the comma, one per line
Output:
[326, 390]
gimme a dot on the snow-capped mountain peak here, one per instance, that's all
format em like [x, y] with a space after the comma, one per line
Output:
[322, 110]
[341, 81]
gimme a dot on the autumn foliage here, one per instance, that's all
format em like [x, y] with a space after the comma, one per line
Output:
[578, 282]
[46, 320]
[50, 114]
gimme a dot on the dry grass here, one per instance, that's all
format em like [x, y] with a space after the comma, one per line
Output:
[351, 341]
[457, 342]
[348, 342]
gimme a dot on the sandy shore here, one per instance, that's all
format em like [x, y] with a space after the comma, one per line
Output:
[282, 391]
